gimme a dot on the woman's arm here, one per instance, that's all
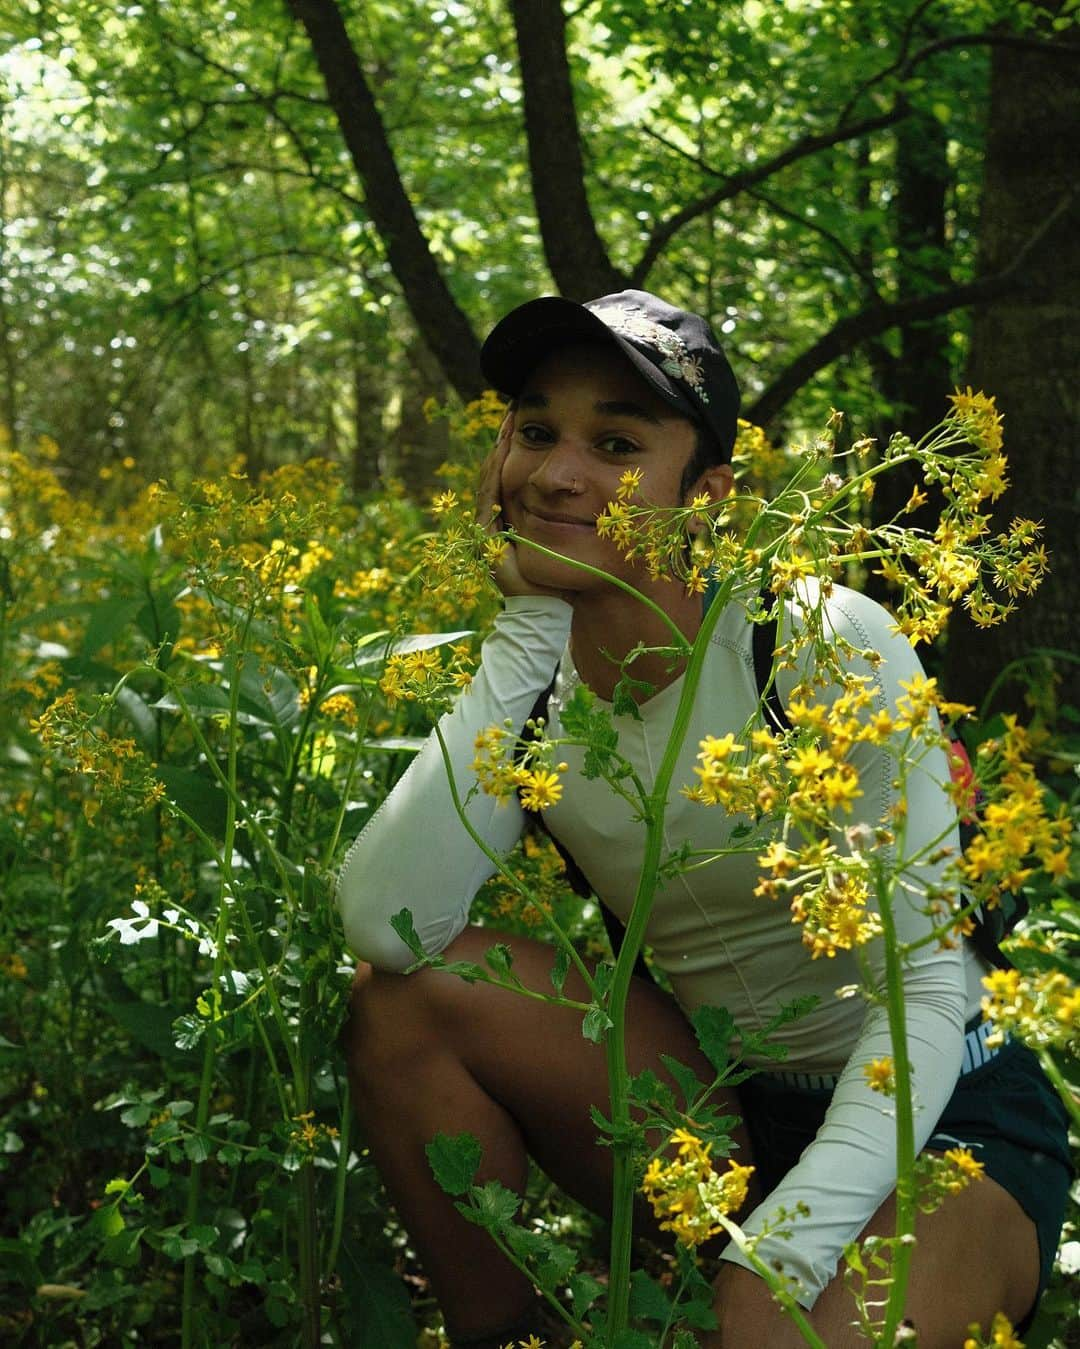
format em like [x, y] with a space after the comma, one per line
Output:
[850, 1168]
[415, 852]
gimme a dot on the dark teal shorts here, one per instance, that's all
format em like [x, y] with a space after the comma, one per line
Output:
[1005, 1111]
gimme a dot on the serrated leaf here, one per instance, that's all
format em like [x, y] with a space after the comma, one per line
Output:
[595, 1024]
[714, 1028]
[584, 1290]
[647, 1299]
[495, 1204]
[454, 1160]
[188, 1030]
[379, 1308]
[689, 1083]
[500, 959]
[402, 923]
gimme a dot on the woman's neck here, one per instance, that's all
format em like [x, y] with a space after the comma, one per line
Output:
[605, 628]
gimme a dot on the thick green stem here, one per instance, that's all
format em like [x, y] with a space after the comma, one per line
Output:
[905, 1116]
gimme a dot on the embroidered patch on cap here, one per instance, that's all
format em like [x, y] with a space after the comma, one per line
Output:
[632, 322]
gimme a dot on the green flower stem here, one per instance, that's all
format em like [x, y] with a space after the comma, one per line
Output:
[202, 1109]
[677, 634]
[905, 1119]
[341, 1176]
[1064, 1090]
[622, 1214]
[776, 1286]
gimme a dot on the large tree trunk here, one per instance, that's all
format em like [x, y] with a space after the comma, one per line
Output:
[915, 382]
[445, 328]
[1025, 351]
[573, 248]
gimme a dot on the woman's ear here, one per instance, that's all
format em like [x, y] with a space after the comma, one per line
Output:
[717, 482]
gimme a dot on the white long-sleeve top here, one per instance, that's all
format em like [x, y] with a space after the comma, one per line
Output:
[718, 942]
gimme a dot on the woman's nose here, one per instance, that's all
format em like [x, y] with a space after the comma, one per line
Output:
[560, 470]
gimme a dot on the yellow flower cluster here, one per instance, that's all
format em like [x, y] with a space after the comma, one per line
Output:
[309, 1135]
[880, 1075]
[941, 1174]
[1043, 1008]
[833, 913]
[501, 772]
[1017, 833]
[424, 676]
[755, 457]
[1002, 1335]
[121, 773]
[688, 1195]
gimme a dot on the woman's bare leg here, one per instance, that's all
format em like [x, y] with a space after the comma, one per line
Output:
[429, 1053]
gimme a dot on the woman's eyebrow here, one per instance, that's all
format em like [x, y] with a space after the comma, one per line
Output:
[614, 408]
[621, 408]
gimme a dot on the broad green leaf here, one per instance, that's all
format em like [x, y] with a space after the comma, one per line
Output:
[379, 1307]
[647, 1299]
[108, 618]
[584, 1290]
[714, 1028]
[454, 1160]
[493, 1201]
[560, 969]
[689, 1083]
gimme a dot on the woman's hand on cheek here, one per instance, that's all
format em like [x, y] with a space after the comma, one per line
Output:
[489, 511]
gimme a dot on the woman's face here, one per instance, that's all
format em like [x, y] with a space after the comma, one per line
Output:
[583, 417]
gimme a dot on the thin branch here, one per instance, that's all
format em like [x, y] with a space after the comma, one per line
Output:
[857, 266]
[735, 183]
[904, 65]
[850, 332]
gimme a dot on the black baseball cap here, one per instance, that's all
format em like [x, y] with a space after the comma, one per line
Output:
[674, 351]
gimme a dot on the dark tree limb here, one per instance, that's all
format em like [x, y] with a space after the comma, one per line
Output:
[850, 332]
[735, 183]
[444, 326]
[575, 252]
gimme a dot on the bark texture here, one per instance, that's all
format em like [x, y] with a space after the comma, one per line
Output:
[445, 328]
[573, 248]
[1025, 350]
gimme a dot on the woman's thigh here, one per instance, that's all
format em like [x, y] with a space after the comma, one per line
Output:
[533, 1060]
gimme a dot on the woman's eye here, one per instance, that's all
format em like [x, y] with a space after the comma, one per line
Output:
[534, 435]
[618, 445]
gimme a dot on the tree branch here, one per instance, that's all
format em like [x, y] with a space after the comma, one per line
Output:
[850, 332]
[735, 183]
[440, 321]
[574, 250]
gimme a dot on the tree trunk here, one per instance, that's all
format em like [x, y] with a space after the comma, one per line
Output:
[573, 248]
[917, 381]
[1025, 352]
[445, 328]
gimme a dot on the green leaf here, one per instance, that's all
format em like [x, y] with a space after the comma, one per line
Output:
[197, 795]
[188, 1030]
[560, 969]
[465, 969]
[689, 1083]
[109, 1221]
[493, 1203]
[647, 1299]
[377, 1302]
[714, 1028]
[595, 1023]
[454, 1160]
[402, 923]
[500, 959]
[108, 618]
[584, 1290]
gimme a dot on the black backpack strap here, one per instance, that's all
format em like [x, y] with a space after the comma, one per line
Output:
[763, 640]
[576, 878]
